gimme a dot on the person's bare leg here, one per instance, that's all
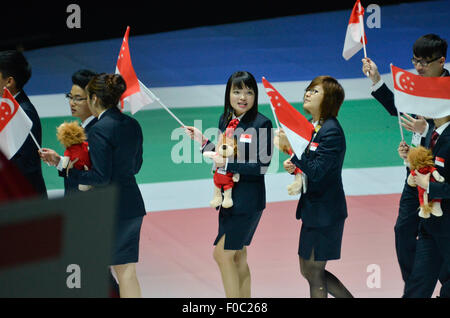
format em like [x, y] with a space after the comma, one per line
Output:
[228, 269]
[244, 273]
[128, 282]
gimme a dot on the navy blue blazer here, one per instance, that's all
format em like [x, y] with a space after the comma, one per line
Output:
[115, 149]
[324, 203]
[440, 190]
[69, 185]
[27, 158]
[255, 154]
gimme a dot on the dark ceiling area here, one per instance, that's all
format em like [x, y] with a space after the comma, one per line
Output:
[27, 26]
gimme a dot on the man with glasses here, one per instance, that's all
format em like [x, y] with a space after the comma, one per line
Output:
[79, 108]
[429, 55]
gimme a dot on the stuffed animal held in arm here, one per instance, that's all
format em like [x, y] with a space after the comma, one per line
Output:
[72, 136]
[421, 159]
[226, 148]
[281, 141]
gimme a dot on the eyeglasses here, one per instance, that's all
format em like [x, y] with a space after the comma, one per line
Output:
[75, 99]
[312, 91]
[424, 63]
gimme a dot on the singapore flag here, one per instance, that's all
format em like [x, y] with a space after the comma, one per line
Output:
[298, 129]
[15, 125]
[425, 96]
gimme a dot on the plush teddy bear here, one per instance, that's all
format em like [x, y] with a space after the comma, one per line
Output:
[72, 136]
[226, 147]
[421, 159]
[281, 141]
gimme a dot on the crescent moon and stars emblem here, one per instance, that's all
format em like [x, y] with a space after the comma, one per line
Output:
[7, 110]
[272, 94]
[404, 82]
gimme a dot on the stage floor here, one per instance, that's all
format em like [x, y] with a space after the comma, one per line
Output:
[176, 252]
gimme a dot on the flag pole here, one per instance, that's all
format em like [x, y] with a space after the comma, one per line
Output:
[273, 112]
[399, 116]
[361, 23]
[35, 141]
[149, 92]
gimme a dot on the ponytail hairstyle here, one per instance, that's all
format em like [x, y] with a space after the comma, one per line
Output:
[108, 88]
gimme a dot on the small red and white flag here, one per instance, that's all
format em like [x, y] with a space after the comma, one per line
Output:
[297, 128]
[354, 40]
[438, 161]
[15, 125]
[246, 138]
[135, 94]
[425, 96]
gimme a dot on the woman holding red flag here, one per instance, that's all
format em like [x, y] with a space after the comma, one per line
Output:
[237, 224]
[322, 208]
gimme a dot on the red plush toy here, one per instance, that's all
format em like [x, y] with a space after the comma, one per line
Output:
[72, 137]
[421, 159]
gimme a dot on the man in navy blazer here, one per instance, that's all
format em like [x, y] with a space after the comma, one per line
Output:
[429, 55]
[433, 245]
[14, 74]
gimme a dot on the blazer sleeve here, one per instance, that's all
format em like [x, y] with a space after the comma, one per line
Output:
[101, 153]
[328, 151]
[386, 98]
[264, 155]
[140, 151]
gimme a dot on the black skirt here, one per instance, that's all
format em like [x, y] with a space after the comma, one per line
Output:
[238, 227]
[126, 241]
[326, 242]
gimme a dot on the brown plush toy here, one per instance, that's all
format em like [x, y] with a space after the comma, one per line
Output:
[281, 141]
[72, 136]
[421, 159]
[226, 147]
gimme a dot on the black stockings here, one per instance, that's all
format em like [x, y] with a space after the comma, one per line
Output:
[321, 282]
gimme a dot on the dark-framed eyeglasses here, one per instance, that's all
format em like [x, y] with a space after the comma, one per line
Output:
[75, 99]
[423, 62]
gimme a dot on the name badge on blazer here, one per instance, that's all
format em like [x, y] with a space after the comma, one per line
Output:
[438, 161]
[313, 146]
[247, 138]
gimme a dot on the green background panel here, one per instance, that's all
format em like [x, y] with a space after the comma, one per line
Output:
[372, 137]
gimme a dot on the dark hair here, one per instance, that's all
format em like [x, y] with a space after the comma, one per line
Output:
[108, 88]
[82, 77]
[333, 96]
[13, 63]
[430, 46]
[240, 79]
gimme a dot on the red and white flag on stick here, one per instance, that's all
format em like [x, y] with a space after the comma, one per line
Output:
[15, 125]
[134, 95]
[137, 95]
[355, 38]
[297, 128]
[425, 96]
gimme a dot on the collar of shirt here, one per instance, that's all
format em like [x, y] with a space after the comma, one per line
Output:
[100, 115]
[441, 128]
[87, 121]
[240, 117]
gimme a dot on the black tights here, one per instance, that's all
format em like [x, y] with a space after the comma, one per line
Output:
[321, 282]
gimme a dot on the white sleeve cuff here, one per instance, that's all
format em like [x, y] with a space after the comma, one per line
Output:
[377, 85]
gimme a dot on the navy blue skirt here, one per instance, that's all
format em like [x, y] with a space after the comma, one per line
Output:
[238, 227]
[326, 242]
[126, 241]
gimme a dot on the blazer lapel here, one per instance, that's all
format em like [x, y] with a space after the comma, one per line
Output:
[445, 135]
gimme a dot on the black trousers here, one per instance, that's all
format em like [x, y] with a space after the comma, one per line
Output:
[432, 259]
[406, 230]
